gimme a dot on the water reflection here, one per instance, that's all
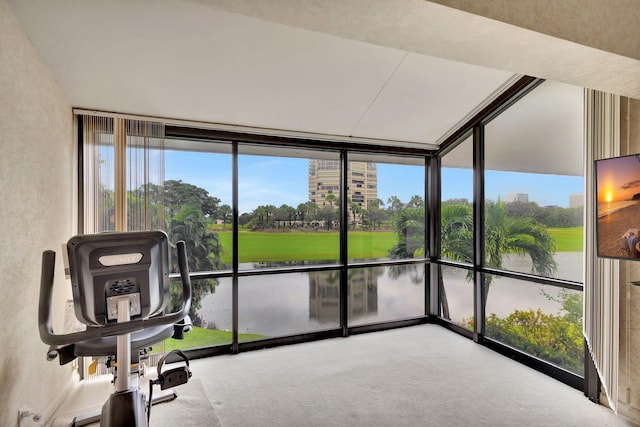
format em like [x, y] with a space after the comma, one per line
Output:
[294, 303]
[507, 295]
[324, 294]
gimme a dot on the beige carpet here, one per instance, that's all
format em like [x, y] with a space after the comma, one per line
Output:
[416, 376]
[192, 408]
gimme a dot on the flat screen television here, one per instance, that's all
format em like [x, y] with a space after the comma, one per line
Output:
[618, 202]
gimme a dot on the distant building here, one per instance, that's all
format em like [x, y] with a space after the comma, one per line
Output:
[324, 179]
[576, 200]
[517, 197]
[324, 295]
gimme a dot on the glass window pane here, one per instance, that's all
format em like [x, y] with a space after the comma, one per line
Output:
[456, 296]
[197, 200]
[456, 208]
[386, 207]
[288, 304]
[210, 314]
[534, 184]
[383, 294]
[289, 207]
[541, 320]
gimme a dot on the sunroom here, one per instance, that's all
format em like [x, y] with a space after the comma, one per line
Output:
[332, 181]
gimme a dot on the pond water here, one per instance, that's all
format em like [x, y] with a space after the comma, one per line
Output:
[294, 303]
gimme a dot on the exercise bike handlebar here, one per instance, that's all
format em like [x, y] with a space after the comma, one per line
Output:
[44, 309]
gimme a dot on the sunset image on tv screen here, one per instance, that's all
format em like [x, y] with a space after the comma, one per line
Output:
[618, 193]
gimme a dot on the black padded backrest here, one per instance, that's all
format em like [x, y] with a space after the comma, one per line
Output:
[106, 266]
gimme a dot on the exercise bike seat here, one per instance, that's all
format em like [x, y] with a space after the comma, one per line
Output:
[139, 340]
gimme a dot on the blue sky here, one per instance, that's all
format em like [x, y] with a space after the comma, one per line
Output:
[278, 180]
[545, 190]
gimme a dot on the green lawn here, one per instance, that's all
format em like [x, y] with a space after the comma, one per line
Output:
[567, 239]
[322, 246]
[295, 246]
[201, 337]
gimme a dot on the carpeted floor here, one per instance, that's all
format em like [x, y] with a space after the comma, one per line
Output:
[191, 408]
[417, 376]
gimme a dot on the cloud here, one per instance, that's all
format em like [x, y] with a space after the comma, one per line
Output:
[630, 184]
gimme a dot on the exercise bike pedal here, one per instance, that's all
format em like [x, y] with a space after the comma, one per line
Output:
[174, 377]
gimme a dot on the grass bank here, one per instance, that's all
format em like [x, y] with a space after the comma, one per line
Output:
[201, 337]
[295, 246]
[567, 239]
[258, 246]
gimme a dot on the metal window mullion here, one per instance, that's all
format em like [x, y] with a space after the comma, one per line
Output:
[479, 302]
[234, 246]
[344, 254]
[433, 219]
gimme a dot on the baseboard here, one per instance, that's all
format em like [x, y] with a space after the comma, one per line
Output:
[47, 418]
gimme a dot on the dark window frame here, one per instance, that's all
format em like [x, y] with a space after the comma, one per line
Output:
[432, 261]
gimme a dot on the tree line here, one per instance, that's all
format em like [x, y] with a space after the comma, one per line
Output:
[309, 215]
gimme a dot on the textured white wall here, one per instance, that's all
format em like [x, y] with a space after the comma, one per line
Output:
[36, 213]
[609, 25]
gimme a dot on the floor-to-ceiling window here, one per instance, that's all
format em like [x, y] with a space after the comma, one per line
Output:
[289, 206]
[291, 241]
[512, 240]
[386, 211]
[457, 232]
[534, 210]
[283, 240]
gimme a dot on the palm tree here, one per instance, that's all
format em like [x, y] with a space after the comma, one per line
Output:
[356, 211]
[203, 246]
[375, 213]
[503, 235]
[409, 226]
[456, 230]
[395, 204]
[332, 199]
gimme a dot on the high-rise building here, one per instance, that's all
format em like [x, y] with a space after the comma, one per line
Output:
[517, 197]
[324, 179]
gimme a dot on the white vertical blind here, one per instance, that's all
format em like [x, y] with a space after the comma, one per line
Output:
[123, 174]
[145, 175]
[98, 173]
[601, 290]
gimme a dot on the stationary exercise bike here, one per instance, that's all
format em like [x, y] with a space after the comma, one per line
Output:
[120, 284]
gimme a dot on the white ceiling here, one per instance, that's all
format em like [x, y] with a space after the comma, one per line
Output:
[186, 60]
[363, 70]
